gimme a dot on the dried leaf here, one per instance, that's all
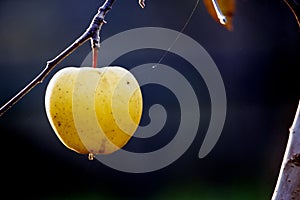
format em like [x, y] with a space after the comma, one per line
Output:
[295, 8]
[227, 8]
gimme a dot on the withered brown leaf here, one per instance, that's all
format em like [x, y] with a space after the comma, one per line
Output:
[227, 8]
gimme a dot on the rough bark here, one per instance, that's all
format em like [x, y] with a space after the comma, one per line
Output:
[288, 183]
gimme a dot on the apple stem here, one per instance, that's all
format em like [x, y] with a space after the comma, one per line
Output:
[95, 57]
[92, 33]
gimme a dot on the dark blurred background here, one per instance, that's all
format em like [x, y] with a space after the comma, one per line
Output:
[257, 60]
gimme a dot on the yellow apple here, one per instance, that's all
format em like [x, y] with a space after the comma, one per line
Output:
[94, 110]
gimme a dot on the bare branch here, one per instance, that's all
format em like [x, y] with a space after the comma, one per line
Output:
[142, 3]
[92, 33]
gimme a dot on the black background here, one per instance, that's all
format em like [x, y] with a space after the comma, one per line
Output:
[257, 60]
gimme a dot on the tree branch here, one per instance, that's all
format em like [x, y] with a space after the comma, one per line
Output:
[92, 33]
[288, 183]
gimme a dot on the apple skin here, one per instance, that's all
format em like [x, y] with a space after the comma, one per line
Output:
[94, 110]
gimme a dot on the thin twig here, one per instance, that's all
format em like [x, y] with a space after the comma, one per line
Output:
[92, 33]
